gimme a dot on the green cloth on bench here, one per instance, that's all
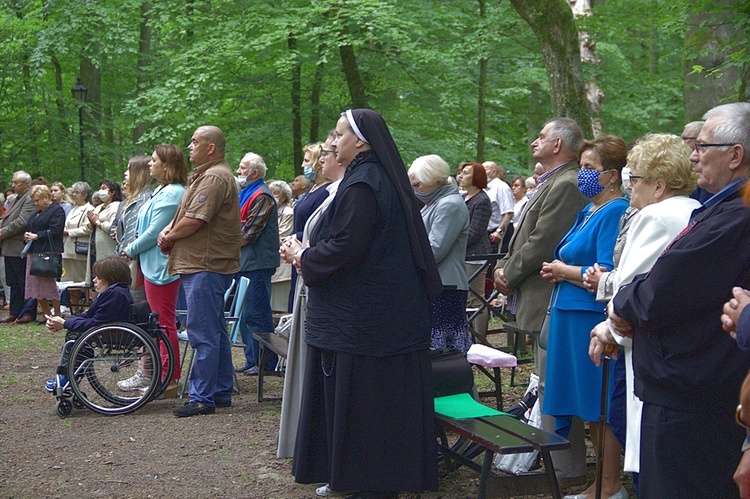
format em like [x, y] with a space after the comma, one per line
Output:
[463, 406]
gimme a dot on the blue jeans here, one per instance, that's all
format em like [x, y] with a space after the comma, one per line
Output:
[256, 315]
[211, 378]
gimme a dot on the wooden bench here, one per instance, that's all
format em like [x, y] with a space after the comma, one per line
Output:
[268, 342]
[502, 435]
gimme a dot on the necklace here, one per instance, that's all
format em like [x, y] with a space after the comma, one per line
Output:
[328, 372]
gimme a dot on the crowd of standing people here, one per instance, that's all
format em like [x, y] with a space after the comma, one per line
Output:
[375, 261]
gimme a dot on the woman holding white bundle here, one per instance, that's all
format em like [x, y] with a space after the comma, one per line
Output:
[662, 177]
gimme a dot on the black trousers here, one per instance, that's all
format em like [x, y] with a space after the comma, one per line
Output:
[688, 454]
[15, 276]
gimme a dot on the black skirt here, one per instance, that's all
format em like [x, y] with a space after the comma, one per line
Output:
[367, 423]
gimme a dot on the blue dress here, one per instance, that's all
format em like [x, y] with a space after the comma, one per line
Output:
[573, 383]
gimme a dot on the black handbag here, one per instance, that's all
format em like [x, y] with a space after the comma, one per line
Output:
[451, 372]
[81, 248]
[47, 264]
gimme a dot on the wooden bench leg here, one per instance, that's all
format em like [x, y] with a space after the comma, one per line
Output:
[486, 469]
[261, 369]
[549, 470]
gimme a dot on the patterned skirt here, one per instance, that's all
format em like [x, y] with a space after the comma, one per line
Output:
[449, 327]
[41, 288]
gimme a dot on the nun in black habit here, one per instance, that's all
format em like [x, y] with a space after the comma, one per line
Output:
[367, 421]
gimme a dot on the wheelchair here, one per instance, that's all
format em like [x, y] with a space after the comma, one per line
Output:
[92, 362]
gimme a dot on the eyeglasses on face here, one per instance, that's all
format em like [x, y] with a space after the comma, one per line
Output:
[635, 178]
[701, 147]
[326, 152]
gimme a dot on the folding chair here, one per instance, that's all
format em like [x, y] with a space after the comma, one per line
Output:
[182, 335]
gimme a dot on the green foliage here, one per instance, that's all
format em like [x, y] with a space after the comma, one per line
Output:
[227, 63]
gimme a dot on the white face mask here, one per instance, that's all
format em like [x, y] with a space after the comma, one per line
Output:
[241, 180]
[104, 195]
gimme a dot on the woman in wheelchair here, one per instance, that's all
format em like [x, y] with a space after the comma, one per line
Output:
[113, 302]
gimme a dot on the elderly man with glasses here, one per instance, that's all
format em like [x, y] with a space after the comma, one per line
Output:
[688, 371]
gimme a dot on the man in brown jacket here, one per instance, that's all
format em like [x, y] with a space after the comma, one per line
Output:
[548, 216]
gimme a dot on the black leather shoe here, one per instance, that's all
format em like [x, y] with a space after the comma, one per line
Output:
[193, 409]
[223, 403]
[243, 368]
[9, 319]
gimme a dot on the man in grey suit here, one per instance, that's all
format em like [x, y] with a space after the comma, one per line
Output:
[547, 217]
[12, 227]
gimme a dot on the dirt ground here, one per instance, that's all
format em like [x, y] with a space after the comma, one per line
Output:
[149, 453]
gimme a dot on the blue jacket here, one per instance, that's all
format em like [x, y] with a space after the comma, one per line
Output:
[111, 306]
[155, 214]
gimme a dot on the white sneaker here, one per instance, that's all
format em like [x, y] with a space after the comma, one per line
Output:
[326, 491]
[134, 383]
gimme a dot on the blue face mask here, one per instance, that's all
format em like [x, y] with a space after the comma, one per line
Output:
[588, 182]
[308, 172]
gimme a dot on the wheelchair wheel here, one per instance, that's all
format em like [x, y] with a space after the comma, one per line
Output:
[106, 354]
[64, 408]
[166, 377]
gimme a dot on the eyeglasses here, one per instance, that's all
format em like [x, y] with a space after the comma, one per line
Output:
[325, 152]
[634, 179]
[700, 147]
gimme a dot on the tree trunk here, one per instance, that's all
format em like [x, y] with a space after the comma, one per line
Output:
[353, 80]
[553, 25]
[144, 53]
[481, 98]
[64, 132]
[702, 90]
[315, 92]
[291, 42]
[30, 118]
[91, 78]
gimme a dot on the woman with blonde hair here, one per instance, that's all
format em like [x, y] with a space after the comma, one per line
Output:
[662, 178]
[60, 196]
[139, 183]
[45, 232]
[313, 198]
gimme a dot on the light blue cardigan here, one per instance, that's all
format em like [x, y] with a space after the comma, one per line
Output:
[155, 214]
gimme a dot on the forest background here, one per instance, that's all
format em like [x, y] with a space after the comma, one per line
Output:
[465, 79]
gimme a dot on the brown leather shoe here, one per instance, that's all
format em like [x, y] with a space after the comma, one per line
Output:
[9, 319]
[24, 319]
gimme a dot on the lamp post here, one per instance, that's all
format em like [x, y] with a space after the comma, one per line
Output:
[79, 94]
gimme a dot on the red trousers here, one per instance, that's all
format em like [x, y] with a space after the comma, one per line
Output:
[163, 300]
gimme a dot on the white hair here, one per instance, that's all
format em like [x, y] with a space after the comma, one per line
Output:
[430, 170]
[256, 162]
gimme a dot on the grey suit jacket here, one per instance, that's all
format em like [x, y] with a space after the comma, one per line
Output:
[548, 216]
[13, 224]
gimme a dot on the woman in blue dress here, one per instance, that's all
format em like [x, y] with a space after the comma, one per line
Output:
[573, 383]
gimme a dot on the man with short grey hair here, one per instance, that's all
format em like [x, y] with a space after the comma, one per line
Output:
[12, 228]
[688, 372]
[260, 256]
